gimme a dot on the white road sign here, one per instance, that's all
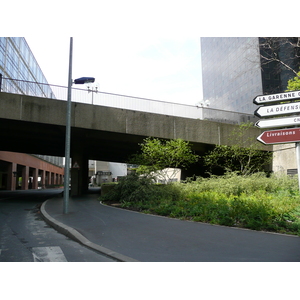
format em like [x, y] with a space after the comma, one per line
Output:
[278, 122]
[276, 97]
[280, 109]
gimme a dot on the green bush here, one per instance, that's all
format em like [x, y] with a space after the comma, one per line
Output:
[256, 202]
[134, 190]
[107, 187]
[232, 183]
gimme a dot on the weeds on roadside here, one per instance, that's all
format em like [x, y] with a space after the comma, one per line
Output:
[256, 202]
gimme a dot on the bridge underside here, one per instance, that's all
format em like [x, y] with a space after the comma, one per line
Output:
[36, 125]
[46, 139]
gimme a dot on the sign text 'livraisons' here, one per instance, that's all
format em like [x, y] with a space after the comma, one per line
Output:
[280, 133]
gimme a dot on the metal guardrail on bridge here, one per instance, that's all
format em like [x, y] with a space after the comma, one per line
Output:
[91, 95]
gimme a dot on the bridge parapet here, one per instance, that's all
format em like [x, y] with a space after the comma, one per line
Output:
[52, 112]
[97, 98]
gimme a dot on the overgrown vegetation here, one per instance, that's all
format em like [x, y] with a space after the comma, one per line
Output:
[243, 156]
[255, 201]
[158, 156]
[294, 84]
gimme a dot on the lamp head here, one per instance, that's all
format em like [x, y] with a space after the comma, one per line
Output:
[83, 80]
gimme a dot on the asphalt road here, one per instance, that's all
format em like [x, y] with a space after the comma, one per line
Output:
[149, 238]
[25, 237]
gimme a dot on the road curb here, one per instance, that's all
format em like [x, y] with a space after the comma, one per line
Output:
[78, 237]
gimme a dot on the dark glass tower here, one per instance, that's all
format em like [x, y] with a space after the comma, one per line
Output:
[236, 69]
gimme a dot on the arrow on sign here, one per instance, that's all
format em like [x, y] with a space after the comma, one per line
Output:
[280, 109]
[276, 97]
[280, 136]
[278, 122]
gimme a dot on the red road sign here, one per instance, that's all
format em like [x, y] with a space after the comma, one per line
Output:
[280, 136]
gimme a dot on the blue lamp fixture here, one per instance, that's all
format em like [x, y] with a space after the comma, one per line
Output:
[83, 80]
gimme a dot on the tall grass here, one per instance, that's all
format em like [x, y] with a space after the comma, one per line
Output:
[256, 202]
[235, 184]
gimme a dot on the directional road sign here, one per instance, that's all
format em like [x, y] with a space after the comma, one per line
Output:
[278, 122]
[280, 109]
[276, 97]
[280, 136]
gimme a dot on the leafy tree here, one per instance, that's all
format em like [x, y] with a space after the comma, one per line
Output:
[240, 157]
[294, 84]
[158, 157]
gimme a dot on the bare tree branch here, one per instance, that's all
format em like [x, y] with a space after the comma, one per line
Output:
[280, 50]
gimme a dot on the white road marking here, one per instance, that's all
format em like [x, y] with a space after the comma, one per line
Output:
[48, 254]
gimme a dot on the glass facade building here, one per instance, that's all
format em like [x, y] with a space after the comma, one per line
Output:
[22, 75]
[20, 69]
[233, 71]
[230, 79]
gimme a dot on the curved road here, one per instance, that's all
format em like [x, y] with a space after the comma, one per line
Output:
[25, 236]
[151, 238]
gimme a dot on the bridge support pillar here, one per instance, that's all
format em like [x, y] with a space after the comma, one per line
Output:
[35, 175]
[25, 177]
[43, 178]
[11, 180]
[79, 174]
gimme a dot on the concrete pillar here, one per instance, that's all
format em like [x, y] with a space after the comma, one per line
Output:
[60, 179]
[35, 175]
[47, 178]
[25, 177]
[43, 178]
[79, 174]
[11, 178]
[50, 178]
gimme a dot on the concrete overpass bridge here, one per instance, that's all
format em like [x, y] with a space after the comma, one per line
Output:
[36, 125]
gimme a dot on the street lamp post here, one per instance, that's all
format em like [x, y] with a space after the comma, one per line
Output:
[68, 128]
[68, 135]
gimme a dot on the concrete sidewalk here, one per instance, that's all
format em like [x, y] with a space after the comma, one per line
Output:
[130, 236]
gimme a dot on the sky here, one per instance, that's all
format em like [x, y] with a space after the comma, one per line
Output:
[159, 68]
[148, 49]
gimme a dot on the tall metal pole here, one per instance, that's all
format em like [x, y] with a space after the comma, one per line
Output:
[298, 161]
[68, 135]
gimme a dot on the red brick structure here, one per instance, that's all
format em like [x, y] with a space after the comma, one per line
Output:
[23, 171]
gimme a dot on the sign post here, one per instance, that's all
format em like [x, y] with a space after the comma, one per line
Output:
[298, 161]
[285, 104]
